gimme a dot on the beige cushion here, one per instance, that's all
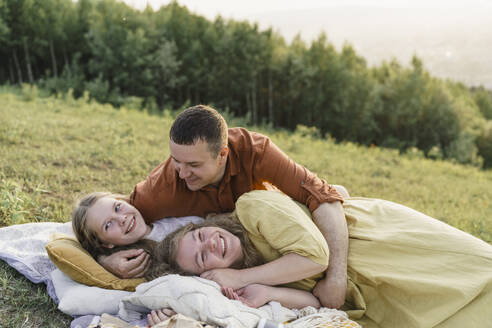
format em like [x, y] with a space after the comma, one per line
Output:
[73, 260]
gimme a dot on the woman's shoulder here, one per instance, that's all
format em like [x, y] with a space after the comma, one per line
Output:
[260, 200]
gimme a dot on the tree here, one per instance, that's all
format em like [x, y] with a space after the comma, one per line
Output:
[13, 19]
[4, 44]
[49, 26]
[120, 51]
[483, 99]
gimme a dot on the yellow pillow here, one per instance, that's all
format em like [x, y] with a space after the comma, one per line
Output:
[72, 259]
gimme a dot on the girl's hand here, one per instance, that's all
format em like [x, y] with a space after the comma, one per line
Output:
[157, 316]
[254, 295]
[225, 277]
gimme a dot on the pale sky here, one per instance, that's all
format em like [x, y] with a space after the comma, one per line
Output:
[453, 37]
[238, 9]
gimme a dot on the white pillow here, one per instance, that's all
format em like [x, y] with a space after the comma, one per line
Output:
[79, 299]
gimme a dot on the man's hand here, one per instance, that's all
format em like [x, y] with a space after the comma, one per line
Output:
[131, 263]
[225, 277]
[331, 291]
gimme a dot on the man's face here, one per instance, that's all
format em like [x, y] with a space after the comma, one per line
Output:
[196, 164]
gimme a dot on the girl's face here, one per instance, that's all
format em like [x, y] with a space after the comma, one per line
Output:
[208, 248]
[116, 222]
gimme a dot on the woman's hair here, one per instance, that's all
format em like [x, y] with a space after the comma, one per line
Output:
[164, 256]
[87, 238]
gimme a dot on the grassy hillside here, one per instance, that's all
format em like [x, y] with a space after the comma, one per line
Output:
[54, 150]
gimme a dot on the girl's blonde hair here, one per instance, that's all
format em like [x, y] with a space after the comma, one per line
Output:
[87, 238]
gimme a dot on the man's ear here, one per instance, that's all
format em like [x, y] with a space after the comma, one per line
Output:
[224, 151]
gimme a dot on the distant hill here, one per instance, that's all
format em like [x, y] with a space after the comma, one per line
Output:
[452, 42]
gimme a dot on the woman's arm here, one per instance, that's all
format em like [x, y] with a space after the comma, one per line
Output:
[288, 268]
[256, 295]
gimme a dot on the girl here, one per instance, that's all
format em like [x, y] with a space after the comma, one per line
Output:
[103, 220]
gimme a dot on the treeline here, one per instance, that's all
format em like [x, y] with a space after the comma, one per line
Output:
[171, 58]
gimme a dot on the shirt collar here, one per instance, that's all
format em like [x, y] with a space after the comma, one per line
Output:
[232, 168]
[171, 174]
[233, 162]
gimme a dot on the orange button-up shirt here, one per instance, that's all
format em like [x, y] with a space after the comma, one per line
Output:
[253, 160]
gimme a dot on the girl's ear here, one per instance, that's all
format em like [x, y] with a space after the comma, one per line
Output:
[108, 245]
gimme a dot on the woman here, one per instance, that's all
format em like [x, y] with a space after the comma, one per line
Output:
[223, 250]
[404, 268]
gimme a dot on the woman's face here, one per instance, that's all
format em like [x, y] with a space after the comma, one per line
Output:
[208, 248]
[116, 222]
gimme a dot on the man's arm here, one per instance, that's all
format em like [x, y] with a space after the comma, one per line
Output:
[327, 211]
[330, 220]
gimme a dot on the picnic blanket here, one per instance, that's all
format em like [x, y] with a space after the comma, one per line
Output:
[23, 248]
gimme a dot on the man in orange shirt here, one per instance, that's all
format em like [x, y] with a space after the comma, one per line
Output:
[210, 166]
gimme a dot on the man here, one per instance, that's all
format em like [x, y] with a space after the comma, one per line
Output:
[211, 166]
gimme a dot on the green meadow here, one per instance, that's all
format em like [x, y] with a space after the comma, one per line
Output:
[55, 149]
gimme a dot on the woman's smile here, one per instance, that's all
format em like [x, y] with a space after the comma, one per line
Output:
[208, 248]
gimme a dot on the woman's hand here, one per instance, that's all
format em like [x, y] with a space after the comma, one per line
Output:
[225, 277]
[157, 316]
[254, 295]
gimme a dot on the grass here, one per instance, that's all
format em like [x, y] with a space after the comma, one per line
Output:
[26, 305]
[55, 149]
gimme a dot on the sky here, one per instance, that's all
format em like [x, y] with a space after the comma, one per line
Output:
[453, 37]
[238, 9]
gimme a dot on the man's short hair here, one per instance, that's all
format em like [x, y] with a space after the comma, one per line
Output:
[200, 123]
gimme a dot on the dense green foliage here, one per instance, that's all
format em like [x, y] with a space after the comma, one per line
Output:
[170, 58]
[54, 149]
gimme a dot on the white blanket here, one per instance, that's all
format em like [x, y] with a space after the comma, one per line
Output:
[194, 297]
[199, 299]
[22, 247]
